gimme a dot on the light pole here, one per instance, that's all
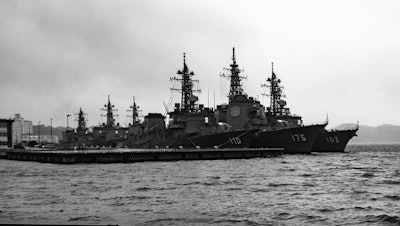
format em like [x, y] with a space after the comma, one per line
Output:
[39, 133]
[68, 121]
[51, 130]
[66, 133]
[29, 133]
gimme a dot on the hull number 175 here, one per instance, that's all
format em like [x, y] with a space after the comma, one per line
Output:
[299, 137]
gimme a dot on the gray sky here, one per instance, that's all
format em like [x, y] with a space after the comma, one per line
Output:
[338, 57]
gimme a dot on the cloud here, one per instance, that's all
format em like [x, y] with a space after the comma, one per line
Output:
[336, 57]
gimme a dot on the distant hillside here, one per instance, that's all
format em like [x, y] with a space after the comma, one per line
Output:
[379, 134]
[46, 130]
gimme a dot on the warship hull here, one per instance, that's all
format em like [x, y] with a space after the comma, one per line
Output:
[333, 141]
[293, 139]
[231, 139]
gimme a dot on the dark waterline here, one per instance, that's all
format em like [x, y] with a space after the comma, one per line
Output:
[357, 188]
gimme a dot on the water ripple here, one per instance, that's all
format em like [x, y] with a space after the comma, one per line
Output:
[354, 188]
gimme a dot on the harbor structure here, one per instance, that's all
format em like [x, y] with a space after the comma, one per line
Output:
[6, 134]
[44, 139]
[138, 155]
[21, 127]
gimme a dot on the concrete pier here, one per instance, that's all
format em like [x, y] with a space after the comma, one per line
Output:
[138, 155]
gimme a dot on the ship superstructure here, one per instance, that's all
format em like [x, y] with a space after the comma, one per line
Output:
[78, 138]
[188, 117]
[135, 113]
[241, 123]
[187, 90]
[326, 141]
[109, 109]
[109, 134]
[81, 121]
[278, 106]
[235, 78]
[190, 125]
[243, 112]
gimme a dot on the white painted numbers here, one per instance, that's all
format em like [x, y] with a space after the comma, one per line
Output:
[235, 140]
[299, 137]
[334, 139]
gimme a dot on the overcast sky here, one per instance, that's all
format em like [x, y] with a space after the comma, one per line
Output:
[339, 57]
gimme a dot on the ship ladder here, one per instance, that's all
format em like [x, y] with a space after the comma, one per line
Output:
[191, 141]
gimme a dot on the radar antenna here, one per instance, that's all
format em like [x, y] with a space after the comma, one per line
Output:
[81, 119]
[109, 108]
[188, 99]
[234, 77]
[277, 104]
[135, 113]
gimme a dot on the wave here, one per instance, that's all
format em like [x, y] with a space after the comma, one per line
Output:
[143, 189]
[199, 221]
[363, 208]
[308, 184]
[383, 219]
[210, 183]
[233, 189]
[325, 210]
[189, 183]
[368, 175]
[393, 197]
[123, 198]
[260, 190]
[396, 173]
[359, 191]
[154, 189]
[390, 182]
[278, 185]
[90, 219]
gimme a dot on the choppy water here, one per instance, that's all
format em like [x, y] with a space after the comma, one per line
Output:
[355, 188]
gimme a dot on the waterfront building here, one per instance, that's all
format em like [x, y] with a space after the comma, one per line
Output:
[6, 133]
[44, 139]
[20, 127]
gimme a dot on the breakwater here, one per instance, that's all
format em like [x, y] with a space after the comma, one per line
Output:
[138, 155]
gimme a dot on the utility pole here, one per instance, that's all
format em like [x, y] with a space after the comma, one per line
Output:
[68, 121]
[51, 130]
[29, 132]
[39, 133]
[66, 133]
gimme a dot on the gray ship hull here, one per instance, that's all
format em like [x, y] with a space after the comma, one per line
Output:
[293, 139]
[333, 141]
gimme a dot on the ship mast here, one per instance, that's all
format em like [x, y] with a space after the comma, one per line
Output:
[235, 77]
[187, 98]
[81, 120]
[135, 113]
[110, 116]
[277, 105]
